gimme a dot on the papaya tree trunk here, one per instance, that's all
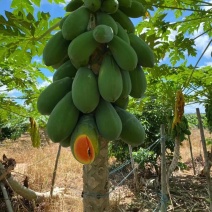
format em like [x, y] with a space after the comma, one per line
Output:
[176, 156]
[95, 182]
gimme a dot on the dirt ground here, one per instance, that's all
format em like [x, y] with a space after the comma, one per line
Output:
[187, 192]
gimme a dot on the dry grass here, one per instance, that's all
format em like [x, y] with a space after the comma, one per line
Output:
[196, 145]
[38, 165]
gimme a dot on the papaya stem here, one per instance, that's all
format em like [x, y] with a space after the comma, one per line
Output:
[48, 31]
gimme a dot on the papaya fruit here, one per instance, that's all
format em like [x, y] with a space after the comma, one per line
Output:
[124, 20]
[123, 53]
[144, 52]
[107, 120]
[127, 85]
[66, 142]
[138, 81]
[122, 33]
[132, 131]
[110, 6]
[62, 119]
[62, 21]
[103, 33]
[76, 23]
[52, 94]
[85, 145]
[73, 5]
[105, 19]
[55, 50]
[136, 9]
[56, 66]
[92, 5]
[85, 90]
[65, 70]
[125, 3]
[122, 102]
[110, 79]
[81, 48]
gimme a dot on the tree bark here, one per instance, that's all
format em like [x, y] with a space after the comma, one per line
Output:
[95, 182]
[176, 157]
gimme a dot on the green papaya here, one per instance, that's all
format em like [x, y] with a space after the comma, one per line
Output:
[62, 119]
[65, 70]
[122, 102]
[81, 48]
[92, 5]
[110, 6]
[76, 23]
[56, 66]
[55, 50]
[85, 90]
[73, 5]
[66, 142]
[105, 19]
[123, 53]
[132, 131]
[52, 94]
[136, 9]
[103, 33]
[107, 120]
[138, 81]
[122, 33]
[144, 52]
[124, 20]
[85, 144]
[110, 79]
[127, 85]
[62, 21]
[125, 3]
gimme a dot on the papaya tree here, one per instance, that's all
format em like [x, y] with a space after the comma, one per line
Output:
[92, 49]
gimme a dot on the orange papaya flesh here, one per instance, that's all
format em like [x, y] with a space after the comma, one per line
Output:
[84, 150]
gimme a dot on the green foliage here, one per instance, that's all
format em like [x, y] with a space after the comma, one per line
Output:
[119, 150]
[193, 121]
[142, 156]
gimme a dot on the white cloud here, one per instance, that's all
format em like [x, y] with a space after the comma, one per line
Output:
[3, 88]
[208, 63]
[192, 108]
[45, 83]
[202, 41]
[207, 7]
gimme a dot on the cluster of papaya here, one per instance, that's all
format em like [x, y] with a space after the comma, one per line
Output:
[99, 64]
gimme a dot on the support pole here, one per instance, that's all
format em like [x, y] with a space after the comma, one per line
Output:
[55, 170]
[164, 196]
[134, 170]
[208, 178]
[192, 158]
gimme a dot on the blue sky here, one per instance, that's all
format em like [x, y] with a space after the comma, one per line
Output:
[58, 11]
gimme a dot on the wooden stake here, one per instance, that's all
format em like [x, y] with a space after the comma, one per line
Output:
[192, 158]
[55, 170]
[208, 178]
[164, 192]
[133, 167]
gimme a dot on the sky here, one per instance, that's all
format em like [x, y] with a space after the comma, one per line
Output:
[58, 11]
